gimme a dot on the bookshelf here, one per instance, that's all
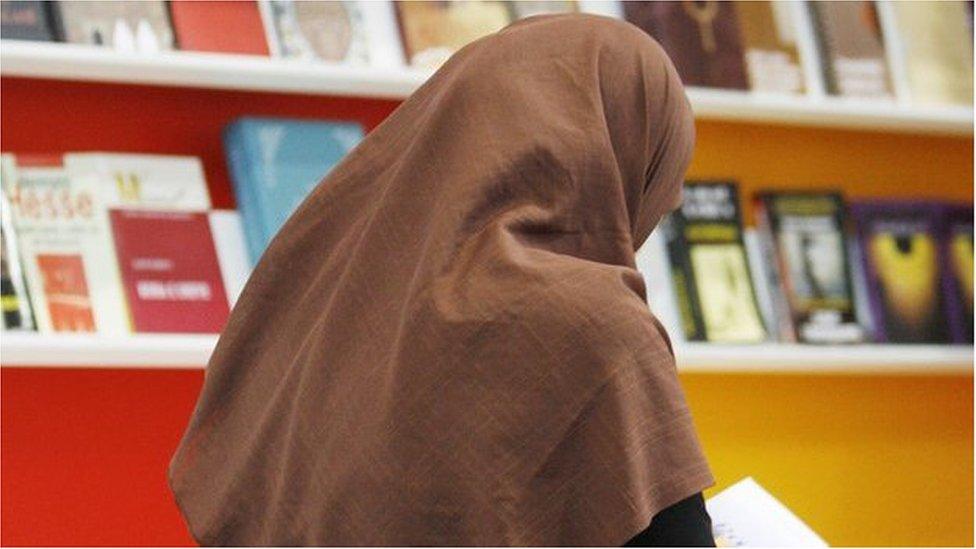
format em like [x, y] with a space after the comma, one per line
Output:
[192, 352]
[249, 73]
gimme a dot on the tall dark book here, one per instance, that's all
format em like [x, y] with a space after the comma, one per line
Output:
[900, 244]
[958, 250]
[701, 37]
[804, 235]
[709, 270]
[27, 20]
[852, 49]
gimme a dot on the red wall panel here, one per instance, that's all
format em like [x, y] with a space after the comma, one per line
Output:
[83, 455]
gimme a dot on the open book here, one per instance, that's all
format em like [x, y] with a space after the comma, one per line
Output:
[745, 515]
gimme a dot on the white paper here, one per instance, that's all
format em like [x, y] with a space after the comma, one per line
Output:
[745, 515]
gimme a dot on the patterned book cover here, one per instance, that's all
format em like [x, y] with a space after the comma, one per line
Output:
[900, 249]
[13, 288]
[27, 20]
[54, 223]
[170, 271]
[808, 241]
[225, 27]
[958, 250]
[709, 268]
[702, 38]
[125, 25]
[432, 31]
[852, 50]
[937, 47]
[326, 31]
[769, 40]
[275, 163]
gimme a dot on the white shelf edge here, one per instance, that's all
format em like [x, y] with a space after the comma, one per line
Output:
[193, 352]
[824, 359]
[86, 350]
[251, 73]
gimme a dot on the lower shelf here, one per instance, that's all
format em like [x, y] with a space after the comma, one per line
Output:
[193, 351]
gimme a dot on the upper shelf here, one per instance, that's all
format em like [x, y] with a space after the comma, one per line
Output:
[193, 351]
[238, 72]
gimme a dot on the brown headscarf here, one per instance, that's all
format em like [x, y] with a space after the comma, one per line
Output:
[448, 343]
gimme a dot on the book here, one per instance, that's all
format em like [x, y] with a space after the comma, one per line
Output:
[527, 8]
[323, 31]
[805, 237]
[652, 263]
[275, 163]
[224, 27]
[228, 236]
[138, 181]
[124, 25]
[958, 250]
[746, 515]
[769, 40]
[13, 289]
[702, 39]
[933, 43]
[902, 266]
[852, 48]
[432, 31]
[170, 271]
[27, 20]
[53, 222]
[710, 272]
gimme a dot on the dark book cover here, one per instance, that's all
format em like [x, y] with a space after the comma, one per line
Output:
[900, 248]
[702, 38]
[852, 50]
[807, 237]
[225, 27]
[709, 269]
[27, 20]
[958, 250]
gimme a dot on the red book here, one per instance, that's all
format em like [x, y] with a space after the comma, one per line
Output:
[169, 268]
[67, 292]
[226, 27]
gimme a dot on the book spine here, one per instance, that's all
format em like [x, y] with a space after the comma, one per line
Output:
[682, 280]
[783, 326]
[240, 180]
[16, 304]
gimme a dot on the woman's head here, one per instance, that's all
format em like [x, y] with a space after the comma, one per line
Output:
[577, 87]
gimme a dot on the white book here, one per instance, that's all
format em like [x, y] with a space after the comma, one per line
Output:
[746, 515]
[138, 181]
[653, 264]
[55, 225]
[228, 235]
[334, 32]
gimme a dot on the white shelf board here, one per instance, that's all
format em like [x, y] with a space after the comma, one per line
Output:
[826, 359]
[87, 350]
[252, 73]
[193, 351]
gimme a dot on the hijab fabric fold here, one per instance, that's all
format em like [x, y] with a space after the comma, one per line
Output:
[448, 343]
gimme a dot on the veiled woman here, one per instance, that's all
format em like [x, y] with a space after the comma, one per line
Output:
[448, 343]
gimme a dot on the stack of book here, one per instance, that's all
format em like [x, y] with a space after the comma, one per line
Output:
[918, 52]
[122, 243]
[816, 271]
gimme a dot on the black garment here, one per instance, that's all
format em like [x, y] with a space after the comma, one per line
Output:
[684, 524]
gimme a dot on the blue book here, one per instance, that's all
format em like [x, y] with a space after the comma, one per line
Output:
[275, 163]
